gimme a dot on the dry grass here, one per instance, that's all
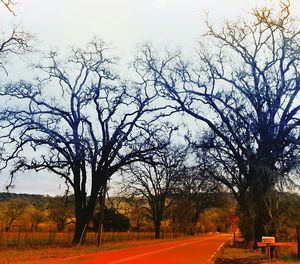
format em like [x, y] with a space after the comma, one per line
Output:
[47, 238]
[239, 255]
[36, 255]
[34, 247]
[244, 254]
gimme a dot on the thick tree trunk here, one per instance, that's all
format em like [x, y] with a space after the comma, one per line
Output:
[257, 203]
[82, 222]
[261, 192]
[157, 215]
[84, 209]
[84, 216]
[157, 229]
[255, 211]
[246, 216]
[80, 229]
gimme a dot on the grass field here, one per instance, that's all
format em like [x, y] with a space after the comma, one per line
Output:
[34, 247]
[23, 239]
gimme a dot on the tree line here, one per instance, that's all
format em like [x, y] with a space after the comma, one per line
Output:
[83, 121]
[38, 213]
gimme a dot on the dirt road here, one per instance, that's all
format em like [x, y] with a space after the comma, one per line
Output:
[191, 250]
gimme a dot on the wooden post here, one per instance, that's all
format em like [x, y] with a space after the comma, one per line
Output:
[298, 242]
[19, 235]
[49, 238]
[81, 237]
[269, 251]
[101, 218]
[171, 222]
[234, 238]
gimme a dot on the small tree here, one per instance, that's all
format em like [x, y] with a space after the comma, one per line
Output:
[34, 216]
[12, 211]
[196, 191]
[156, 181]
[61, 211]
[137, 211]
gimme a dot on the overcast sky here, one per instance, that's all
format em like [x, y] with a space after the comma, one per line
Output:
[124, 23]
[60, 23]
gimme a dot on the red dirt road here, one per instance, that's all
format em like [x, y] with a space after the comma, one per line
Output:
[191, 250]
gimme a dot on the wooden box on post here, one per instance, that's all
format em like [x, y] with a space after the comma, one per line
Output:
[268, 239]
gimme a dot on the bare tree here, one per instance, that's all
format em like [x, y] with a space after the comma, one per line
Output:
[156, 181]
[61, 211]
[245, 88]
[196, 191]
[83, 122]
[11, 211]
[138, 212]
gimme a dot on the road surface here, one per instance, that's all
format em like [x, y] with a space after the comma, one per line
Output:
[188, 250]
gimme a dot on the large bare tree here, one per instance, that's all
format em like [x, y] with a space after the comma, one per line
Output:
[245, 88]
[80, 121]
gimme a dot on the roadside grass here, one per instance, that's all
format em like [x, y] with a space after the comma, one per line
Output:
[39, 254]
[244, 254]
[239, 254]
[34, 255]
[290, 259]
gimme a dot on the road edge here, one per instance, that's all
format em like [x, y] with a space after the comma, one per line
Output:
[212, 258]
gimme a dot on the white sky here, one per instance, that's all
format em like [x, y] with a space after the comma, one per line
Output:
[61, 23]
[124, 23]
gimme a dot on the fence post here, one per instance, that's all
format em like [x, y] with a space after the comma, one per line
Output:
[1, 232]
[19, 235]
[69, 235]
[298, 242]
[8, 233]
[49, 240]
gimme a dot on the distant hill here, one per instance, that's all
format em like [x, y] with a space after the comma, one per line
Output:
[7, 196]
[37, 200]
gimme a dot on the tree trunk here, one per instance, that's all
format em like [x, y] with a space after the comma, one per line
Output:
[246, 217]
[261, 192]
[255, 205]
[83, 217]
[157, 229]
[157, 215]
[80, 229]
